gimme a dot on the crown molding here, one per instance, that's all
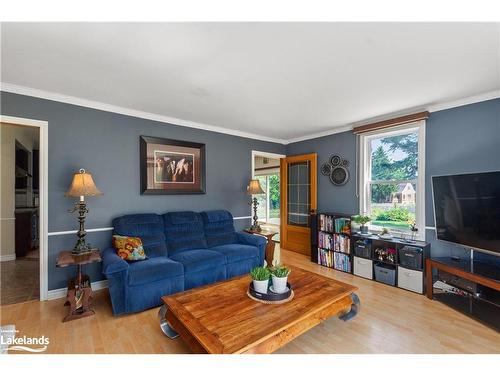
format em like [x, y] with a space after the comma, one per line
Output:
[335, 130]
[28, 91]
[495, 94]
[431, 108]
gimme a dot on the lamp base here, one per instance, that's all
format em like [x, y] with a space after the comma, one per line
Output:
[256, 228]
[81, 247]
[85, 251]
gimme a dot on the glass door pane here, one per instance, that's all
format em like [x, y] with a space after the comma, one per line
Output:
[298, 188]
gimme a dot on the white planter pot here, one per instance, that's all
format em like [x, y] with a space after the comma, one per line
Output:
[260, 286]
[279, 284]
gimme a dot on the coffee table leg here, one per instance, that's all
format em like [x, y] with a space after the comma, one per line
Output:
[165, 327]
[356, 305]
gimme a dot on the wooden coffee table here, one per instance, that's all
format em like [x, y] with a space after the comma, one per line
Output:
[221, 318]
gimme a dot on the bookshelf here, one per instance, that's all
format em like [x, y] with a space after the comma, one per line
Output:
[331, 241]
[390, 261]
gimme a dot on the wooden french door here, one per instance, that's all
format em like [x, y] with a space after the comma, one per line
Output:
[298, 188]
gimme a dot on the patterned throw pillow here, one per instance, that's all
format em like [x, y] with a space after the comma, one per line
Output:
[129, 248]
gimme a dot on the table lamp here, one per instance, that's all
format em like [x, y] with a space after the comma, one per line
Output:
[82, 186]
[254, 188]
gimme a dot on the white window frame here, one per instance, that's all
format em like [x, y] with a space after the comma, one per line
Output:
[266, 219]
[365, 169]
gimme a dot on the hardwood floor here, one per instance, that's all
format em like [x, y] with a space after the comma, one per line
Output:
[391, 320]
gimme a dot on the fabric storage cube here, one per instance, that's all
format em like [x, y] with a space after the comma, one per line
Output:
[411, 257]
[385, 274]
[411, 279]
[363, 249]
[363, 267]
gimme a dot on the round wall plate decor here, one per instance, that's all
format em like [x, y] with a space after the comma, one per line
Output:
[339, 175]
[335, 160]
[326, 169]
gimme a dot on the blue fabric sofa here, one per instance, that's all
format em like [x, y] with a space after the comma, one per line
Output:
[184, 249]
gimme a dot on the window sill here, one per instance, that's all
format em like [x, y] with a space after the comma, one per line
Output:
[405, 236]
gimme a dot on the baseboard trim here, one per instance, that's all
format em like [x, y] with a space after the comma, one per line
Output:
[7, 258]
[61, 293]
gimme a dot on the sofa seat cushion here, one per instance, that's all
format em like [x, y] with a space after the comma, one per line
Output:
[237, 252]
[153, 269]
[199, 260]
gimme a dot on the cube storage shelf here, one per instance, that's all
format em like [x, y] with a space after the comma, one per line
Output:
[390, 261]
[331, 241]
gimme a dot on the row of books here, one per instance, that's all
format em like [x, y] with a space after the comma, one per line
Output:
[342, 262]
[342, 243]
[328, 223]
[325, 240]
[343, 225]
[325, 257]
[337, 242]
[334, 260]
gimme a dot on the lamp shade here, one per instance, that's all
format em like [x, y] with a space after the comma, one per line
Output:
[82, 185]
[254, 188]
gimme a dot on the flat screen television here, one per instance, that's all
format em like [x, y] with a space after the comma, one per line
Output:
[467, 210]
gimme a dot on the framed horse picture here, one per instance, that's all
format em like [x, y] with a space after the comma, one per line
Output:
[170, 166]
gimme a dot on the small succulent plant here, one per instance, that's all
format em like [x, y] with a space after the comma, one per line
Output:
[413, 226]
[360, 219]
[260, 273]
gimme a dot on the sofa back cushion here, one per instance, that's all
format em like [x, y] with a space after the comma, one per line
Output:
[219, 227]
[148, 227]
[184, 231]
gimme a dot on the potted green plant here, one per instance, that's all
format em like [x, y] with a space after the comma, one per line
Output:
[260, 277]
[414, 229]
[362, 220]
[279, 275]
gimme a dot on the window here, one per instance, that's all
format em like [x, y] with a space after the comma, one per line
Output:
[268, 209]
[392, 178]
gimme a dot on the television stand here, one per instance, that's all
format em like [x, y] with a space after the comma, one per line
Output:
[469, 286]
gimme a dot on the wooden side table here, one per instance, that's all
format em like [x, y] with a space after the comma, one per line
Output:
[79, 290]
[270, 247]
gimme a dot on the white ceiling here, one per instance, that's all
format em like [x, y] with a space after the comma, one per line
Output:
[272, 80]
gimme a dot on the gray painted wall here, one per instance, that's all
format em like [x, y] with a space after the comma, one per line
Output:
[463, 139]
[331, 198]
[458, 140]
[107, 145]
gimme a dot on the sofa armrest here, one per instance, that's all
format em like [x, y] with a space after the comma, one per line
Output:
[254, 240]
[112, 263]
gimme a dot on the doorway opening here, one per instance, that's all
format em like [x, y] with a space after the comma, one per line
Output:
[266, 169]
[23, 240]
[20, 251]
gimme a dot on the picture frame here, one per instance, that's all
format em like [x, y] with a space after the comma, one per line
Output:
[169, 166]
